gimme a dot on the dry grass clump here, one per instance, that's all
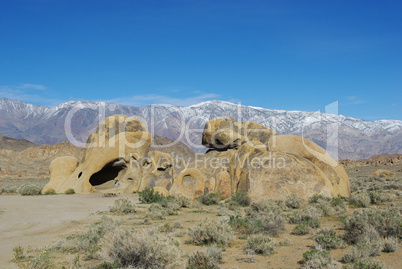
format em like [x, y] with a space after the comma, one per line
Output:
[388, 223]
[264, 217]
[122, 206]
[209, 199]
[327, 239]
[156, 211]
[49, 192]
[265, 206]
[317, 259]
[360, 199]
[367, 229]
[241, 198]
[390, 244]
[141, 249]
[182, 200]
[209, 232]
[149, 196]
[29, 190]
[39, 260]
[374, 183]
[301, 229]
[383, 173]
[368, 264]
[260, 244]
[69, 191]
[209, 257]
[293, 201]
[308, 214]
[88, 242]
[328, 206]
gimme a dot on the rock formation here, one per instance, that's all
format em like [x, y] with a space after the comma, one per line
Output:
[243, 157]
[116, 157]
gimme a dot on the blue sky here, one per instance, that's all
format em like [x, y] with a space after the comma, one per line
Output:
[292, 55]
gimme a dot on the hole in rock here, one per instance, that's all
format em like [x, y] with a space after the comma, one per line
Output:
[80, 174]
[164, 168]
[109, 172]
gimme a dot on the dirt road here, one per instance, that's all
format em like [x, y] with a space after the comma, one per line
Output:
[38, 221]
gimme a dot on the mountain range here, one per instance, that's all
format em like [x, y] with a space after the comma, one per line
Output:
[347, 137]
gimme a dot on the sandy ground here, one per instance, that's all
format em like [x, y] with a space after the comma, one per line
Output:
[21, 223]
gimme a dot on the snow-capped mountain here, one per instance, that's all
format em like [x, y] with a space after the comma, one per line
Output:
[355, 138]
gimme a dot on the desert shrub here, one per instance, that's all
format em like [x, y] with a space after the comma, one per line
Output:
[327, 239]
[69, 191]
[123, 206]
[301, 229]
[209, 257]
[375, 197]
[209, 199]
[41, 260]
[368, 264]
[88, 242]
[209, 232]
[166, 228]
[177, 225]
[388, 223]
[182, 200]
[368, 244]
[339, 205]
[310, 213]
[319, 259]
[260, 244]
[241, 198]
[149, 196]
[156, 211]
[317, 197]
[141, 249]
[224, 211]
[18, 253]
[265, 206]
[360, 199]
[325, 207]
[170, 205]
[231, 205]
[312, 223]
[270, 224]
[29, 190]
[293, 201]
[49, 192]
[390, 244]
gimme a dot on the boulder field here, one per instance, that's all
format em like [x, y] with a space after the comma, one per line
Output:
[242, 157]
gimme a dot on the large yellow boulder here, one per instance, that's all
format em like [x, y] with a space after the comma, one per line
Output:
[311, 151]
[276, 175]
[225, 133]
[222, 133]
[223, 186]
[112, 158]
[157, 171]
[60, 169]
[240, 161]
[189, 183]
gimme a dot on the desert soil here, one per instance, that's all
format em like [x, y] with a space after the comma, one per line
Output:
[32, 221]
[39, 221]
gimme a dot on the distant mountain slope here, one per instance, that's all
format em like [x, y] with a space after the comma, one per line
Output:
[357, 138]
[15, 144]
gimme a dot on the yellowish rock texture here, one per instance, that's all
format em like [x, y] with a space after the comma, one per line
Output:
[243, 157]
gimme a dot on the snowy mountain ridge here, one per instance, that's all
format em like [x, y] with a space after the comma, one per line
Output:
[357, 138]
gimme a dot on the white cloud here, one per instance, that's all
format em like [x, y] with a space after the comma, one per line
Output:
[143, 100]
[32, 87]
